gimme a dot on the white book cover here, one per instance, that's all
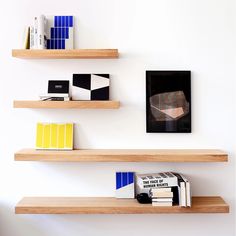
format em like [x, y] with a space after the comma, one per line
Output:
[188, 193]
[32, 37]
[183, 201]
[188, 190]
[35, 33]
[157, 180]
[42, 24]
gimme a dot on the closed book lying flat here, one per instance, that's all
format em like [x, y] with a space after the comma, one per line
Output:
[167, 199]
[157, 180]
[161, 204]
[162, 194]
[55, 99]
[54, 95]
[157, 190]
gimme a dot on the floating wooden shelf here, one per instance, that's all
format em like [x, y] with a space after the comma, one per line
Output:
[68, 104]
[96, 205]
[112, 155]
[65, 54]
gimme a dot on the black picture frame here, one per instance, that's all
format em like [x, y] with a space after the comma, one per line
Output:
[168, 102]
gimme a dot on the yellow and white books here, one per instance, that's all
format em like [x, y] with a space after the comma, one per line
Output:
[54, 136]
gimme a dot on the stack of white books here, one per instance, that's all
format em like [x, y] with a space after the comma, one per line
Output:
[162, 197]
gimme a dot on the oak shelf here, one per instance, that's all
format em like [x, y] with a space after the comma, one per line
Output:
[108, 205]
[67, 104]
[66, 54]
[125, 155]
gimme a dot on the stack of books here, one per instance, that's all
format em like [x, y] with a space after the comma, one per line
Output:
[58, 90]
[179, 185]
[54, 97]
[51, 32]
[54, 136]
[162, 197]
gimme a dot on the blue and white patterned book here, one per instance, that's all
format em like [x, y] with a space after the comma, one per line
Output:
[60, 32]
[124, 184]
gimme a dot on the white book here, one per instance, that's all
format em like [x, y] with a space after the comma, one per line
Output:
[162, 204]
[162, 194]
[183, 193]
[188, 194]
[32, 46]
[41, 32]
[35, 33]
[188, 191]
[162, 200]
[183, 201]
[158, 190]
[157, 180]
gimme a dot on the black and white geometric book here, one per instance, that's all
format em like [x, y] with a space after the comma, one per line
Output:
[90, 87]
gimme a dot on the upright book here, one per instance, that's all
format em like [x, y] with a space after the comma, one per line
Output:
[60, 32]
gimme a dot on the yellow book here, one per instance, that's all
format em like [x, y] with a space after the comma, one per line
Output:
[39, 137]
[61, 136]
[46, 136]
[54, 132]
[55, 136]
[69, 136]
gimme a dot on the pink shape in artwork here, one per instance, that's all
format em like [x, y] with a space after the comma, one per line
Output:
[174, 112]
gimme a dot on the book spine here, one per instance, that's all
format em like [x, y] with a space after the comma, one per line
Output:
[35, 32]
[41, 32]
[188, 193]
[32, 46]
[182, 184]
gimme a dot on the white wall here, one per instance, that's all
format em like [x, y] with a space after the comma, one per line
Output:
[196, 35]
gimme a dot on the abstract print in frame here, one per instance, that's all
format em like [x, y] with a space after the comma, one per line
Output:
[168, 101]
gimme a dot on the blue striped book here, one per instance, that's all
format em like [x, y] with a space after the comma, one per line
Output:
[60, 32]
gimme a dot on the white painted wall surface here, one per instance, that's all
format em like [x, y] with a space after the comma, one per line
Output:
[196, 35]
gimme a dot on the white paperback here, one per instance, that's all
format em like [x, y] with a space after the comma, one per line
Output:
[157, 180]
[32, 37]
[166, 199]
[162, 204]
[35, 33]
[42, 26]
[38, 39]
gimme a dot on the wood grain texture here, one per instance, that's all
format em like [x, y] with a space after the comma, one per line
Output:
[125, 155]
[99, 205]
[67, 104]
[65, 54]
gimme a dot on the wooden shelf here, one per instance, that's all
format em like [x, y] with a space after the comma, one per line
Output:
[68, 104]
[112, 155]
[66, 54]
[96, 205]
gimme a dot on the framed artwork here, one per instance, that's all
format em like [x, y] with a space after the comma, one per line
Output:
[168, 101]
